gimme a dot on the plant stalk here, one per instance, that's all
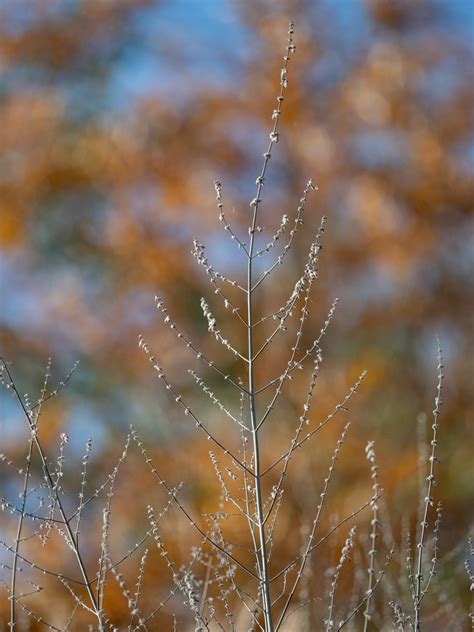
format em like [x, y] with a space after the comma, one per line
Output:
[267, 603]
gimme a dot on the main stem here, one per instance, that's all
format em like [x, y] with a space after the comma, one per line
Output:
[267, 603]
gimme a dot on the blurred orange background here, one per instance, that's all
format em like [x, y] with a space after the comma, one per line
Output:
[116, 118]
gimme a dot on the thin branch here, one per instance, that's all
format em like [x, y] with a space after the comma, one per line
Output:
[51, 486]
[428, 499]
[298, 364]
[172, 493]
[216, 332]
[309, 187]
[371, 457]
[303, 419]
[198, 254]
[339, 407]
[281, 229]
[304, 283]
[189, 345]
[345, 557]
[205, 389]
[187, 411]
[369, 595]
[305, 555]
[350, 516]
[222, 218]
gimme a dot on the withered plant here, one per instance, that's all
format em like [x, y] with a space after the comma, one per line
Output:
[236, 577]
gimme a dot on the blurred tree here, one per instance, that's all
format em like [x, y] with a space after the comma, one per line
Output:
[115, 118]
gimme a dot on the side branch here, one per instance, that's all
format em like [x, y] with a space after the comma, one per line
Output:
[240, 244]
[189, 345]
[183, 510]
[309, 435]
[309, 187]
[187, 411]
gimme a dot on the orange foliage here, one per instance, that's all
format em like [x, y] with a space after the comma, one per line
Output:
[100, 199]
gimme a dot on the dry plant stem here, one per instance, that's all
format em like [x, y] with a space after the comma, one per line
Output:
[352, 515]
[345, 557]
[299, 363]
[306, 553]
[434, 559]
[371, 457]
[267, 604]
[227, 227]
[303, 419]
[23, 500]
[39, 568]
[85, 460]
[369, 595]
[202, 602]
[419, 593]
[36, 617]
[62, 384]
[251, 523]
[199, 355]
[187, 410]
[104, 554]
[320, 426]
[18, 536]
[264, 576]
[311, 273]
[279, 260]
[173, 494]
[54, 490]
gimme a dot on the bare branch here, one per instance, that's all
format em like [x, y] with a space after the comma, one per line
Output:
[187, 411]
[189, 345]
[240, 244]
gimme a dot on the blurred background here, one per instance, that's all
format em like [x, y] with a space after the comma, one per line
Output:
[116, 118]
